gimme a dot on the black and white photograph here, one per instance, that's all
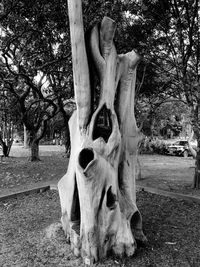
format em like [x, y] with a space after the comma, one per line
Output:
[99, 133]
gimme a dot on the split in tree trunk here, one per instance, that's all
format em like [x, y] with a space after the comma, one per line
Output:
[98, 194]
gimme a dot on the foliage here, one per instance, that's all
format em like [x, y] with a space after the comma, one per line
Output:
[150, 146]
[171, 44]
[35, 42]
[155, 116]
[32, 60]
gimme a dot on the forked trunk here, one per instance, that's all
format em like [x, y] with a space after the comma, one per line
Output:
[98, 194]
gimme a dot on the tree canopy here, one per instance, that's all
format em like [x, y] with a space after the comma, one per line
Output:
[35, 59]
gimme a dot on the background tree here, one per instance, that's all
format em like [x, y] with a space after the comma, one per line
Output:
[171, 29]
[32, 42]
[8, 118]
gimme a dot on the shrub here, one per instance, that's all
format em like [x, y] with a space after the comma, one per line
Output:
[151, 145]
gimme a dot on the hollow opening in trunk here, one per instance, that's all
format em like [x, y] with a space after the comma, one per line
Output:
[75, 212]
[85, 157]
[103, 124]
[111, 199]
[136, 220]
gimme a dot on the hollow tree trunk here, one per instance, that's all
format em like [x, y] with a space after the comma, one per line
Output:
[97, 194]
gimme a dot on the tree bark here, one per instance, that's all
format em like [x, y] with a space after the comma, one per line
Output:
[196, 156]
[6, 147]
[33, 142]
[192, 150]
[80, 63]
[34, 137]
[67, 141]
[25, 137]
[196, 181]
[34, 145]
[98, 194]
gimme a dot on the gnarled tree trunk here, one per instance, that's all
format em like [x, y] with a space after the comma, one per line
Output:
[34, 137]
[97, 194]
[34, 150]
[33, 142]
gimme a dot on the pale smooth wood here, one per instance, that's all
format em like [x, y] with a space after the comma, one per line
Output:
[98, 194]
[79, 63]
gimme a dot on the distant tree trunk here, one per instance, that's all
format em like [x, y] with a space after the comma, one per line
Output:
[196, 156]
[66, 117]
[33, 143]
[4, 149]
[25, 138]
[6, 146]
[67, 140]
[98, 194]
[34, 150]
[34, 137]
[196, 181]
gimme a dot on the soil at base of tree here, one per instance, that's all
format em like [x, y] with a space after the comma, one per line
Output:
[31, 233]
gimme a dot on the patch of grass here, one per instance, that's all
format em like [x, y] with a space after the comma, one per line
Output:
[31, 235]
[168, 173]
[20, 171]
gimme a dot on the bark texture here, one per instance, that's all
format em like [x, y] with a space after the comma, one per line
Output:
[97, 194]
[34, 137]
[6, 146]
[196, 156]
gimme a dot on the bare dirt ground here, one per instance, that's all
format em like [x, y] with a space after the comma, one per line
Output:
[31, 235]
[17, 170]
[168, 173]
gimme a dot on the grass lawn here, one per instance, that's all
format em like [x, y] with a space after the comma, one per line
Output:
[168, 173]
[164, 172]
[17, 170]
